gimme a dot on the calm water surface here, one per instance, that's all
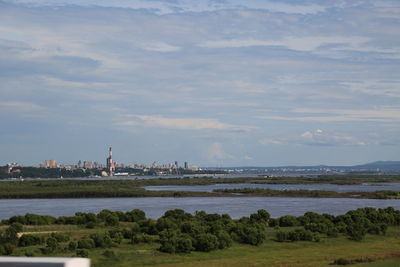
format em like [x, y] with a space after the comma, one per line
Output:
[155, 206]
[328, 187]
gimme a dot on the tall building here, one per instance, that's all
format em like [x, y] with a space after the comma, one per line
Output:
[50, 163]
[110, 163]
[186, 165]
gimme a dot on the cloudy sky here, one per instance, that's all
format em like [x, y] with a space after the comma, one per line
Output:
[215, 83]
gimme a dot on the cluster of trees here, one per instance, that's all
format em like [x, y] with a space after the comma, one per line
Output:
[355, 223]
[180, 232]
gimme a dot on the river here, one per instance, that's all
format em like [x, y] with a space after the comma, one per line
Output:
[156, 206]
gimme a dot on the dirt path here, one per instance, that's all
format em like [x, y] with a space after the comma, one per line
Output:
[33, 233]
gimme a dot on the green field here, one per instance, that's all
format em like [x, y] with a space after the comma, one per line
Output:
[362, 237]
[384, 250]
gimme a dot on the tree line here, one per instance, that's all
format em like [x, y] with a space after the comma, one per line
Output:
[180, 232]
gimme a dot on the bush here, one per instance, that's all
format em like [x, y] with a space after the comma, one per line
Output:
[17, 226]
[109, 254]
[281, 236]
[356, 232]
[82, 253]
[6, 249]
[135, 215]
[90, 225]
[224, 240]
[287, 221]
[86, 243]
[206, 242]
[343, 261]
[101, 240]
[51, 244]
[260, 216]
[60, 237]
[10, 235]
[72, 245]
[111, 220]
[296, 235]
[184, 245]
[29, 240]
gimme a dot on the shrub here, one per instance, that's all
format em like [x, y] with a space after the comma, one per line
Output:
[260, 216]
[90, 225]
[206, 242]
[82, 253]
[135, 215]
[72, 245]
[101, 240]
[183, 245]
[29, 240]
[86, 243]
[17, 226]
[109, 254]
[224, 240]
[286, 221]
[6, 249]
[60, 237]
[51, 244]
[111, 220]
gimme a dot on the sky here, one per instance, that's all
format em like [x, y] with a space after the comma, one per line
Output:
[215, 83]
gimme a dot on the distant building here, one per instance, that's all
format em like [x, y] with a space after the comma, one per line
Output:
[186, 165]
[50, 163]
[176, 165]
[110, 163]
[88, 165]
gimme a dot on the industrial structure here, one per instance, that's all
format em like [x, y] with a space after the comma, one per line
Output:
[110, 163]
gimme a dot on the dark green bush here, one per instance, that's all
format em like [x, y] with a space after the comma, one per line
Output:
[86, 243]
[82, 253]
[27, 240]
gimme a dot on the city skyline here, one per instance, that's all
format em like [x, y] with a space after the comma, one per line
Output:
[216, 83]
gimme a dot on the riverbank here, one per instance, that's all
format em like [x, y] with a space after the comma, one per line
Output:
[134, 188]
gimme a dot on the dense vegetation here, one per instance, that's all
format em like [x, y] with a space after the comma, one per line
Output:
[309, 193]
[134, 188]
[181, 232]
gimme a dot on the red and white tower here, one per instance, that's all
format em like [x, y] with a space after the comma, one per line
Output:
[110, 163]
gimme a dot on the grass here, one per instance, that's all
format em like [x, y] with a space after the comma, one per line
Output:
[384, 250]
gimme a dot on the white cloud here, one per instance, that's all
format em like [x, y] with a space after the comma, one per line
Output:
[247, 157]
[383, 114]
[160, 47]
[178, 123]
[314, 138]
[169, 7]
[215, 152]
[19, 106]
[306, 43]
[320, 138]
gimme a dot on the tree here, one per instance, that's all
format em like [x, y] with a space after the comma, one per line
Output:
[206, 242]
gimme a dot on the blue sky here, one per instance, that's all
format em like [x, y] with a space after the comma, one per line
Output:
[215, 83]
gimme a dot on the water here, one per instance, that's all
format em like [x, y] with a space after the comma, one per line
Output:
[327, 187]
[156, 206]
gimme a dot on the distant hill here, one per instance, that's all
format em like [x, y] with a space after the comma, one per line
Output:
[377, 166]
[382, 165]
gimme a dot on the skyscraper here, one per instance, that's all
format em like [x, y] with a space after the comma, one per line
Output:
[110, 163]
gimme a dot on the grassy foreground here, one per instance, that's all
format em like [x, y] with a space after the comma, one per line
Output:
[384, 251]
